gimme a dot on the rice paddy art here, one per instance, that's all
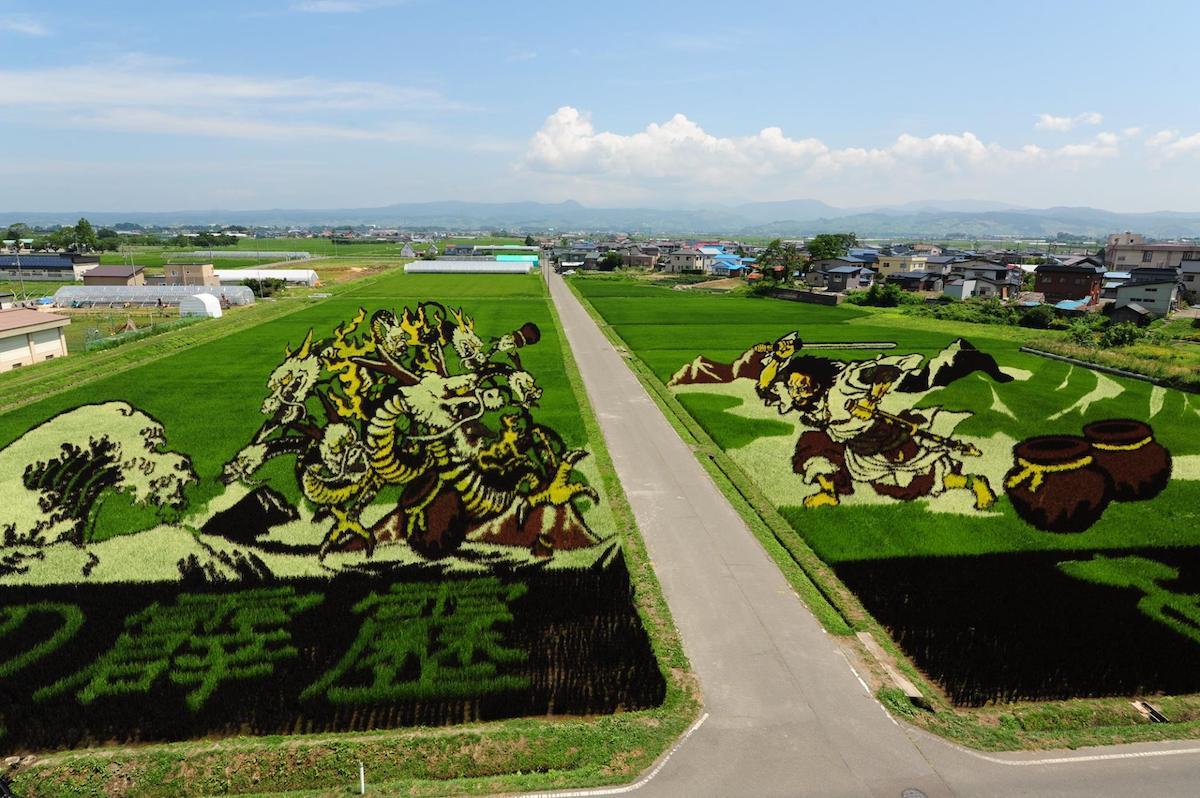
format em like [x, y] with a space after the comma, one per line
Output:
[944, 475]
[402, 540]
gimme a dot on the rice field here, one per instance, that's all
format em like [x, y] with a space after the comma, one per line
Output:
[968, 558]
[381, 510]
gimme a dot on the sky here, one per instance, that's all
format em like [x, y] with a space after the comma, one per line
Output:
[362, 103]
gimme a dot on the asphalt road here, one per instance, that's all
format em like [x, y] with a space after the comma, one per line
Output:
[787, 714]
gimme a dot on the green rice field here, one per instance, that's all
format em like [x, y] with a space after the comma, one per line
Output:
[956, 584]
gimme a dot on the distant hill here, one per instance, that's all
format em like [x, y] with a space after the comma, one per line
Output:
[965, 219]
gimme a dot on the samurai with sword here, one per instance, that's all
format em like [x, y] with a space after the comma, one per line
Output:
[854, 441]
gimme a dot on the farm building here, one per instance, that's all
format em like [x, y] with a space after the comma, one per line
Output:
[30, 336]
[115, 275]
[205, 305]
[71, 296]
[294, 276]
[189, 274]
[58, 266]
[467, 267]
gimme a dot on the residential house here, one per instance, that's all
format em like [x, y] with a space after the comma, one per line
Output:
[848, 278]
[1158, 297]
[959, 288]
[888, 265]
[115, 275]
[639, 258]
[940, 264]
[688, 259]
[1058, 282]
[918, 281]
[1189, 278]
[30, 336]
[927, 249]
[1130, 250]
[407, 251]
[1113, 281]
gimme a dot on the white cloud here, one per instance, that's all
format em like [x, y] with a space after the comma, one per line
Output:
[1062, 124]
[342, 6]
[680, 150]
[1167, 144]
[143, 94]
[23, 24]
[522, 56]
[150, 121]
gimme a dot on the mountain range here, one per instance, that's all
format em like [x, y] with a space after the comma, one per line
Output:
[945, 219]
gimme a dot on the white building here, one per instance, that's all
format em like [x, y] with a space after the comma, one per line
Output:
[1189, 275]
[30, 336]
[1158, 297]
[293, 276]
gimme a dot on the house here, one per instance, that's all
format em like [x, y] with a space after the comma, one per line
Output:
[1060, 282]
[926, 249]
[115, 275]
[639, 257]
[688, 259]
[1128, 250]
[894, 264]
[189, 274]
[30, 336]
[1133, 313]
[1112, 281]
[7, 300]
[848, 278]
[918, 281]
[959, 288]
[407, 251]
[940, 264]
[1189, 278]
[1158, 297]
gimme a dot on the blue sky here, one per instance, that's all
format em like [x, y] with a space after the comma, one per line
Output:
[340, 103]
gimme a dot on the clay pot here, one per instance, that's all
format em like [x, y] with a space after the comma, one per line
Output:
[1138, 465]
[1055, 485]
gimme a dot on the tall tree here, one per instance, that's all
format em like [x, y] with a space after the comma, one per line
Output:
[85, 235]
[831, 245]
[776, 255]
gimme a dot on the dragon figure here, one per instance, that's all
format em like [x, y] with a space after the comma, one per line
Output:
[406, 401]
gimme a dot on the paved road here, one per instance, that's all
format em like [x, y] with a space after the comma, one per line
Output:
[788, 716]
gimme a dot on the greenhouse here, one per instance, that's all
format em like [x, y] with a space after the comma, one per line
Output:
[115, 296]
[295, 276]
[467, 267]
[205, 305]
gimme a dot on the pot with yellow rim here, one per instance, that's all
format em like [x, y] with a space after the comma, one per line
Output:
[1055, 484]
[1126, 450]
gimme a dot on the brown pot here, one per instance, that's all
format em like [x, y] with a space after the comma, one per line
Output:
[1138, 465]
[1055, 485]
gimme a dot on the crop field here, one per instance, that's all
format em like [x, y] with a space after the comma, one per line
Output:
[1023, 528]
[382, 510]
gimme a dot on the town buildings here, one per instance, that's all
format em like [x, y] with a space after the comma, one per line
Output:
[1131, 250]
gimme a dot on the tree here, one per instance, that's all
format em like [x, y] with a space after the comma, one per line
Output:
[85, 235]
[529, 242]
[831, 245]
[777, 255]
[611, 260]
[18, 231]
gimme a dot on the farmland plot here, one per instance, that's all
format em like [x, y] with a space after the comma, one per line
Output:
[1025, 529]
[380, 511]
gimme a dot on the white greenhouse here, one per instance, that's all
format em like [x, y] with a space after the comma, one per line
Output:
[467, 267]
[201, 305]
[142, 296]
[294, 276]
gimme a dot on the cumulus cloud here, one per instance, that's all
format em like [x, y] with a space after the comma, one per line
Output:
[681, 150]
[1062, 124]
